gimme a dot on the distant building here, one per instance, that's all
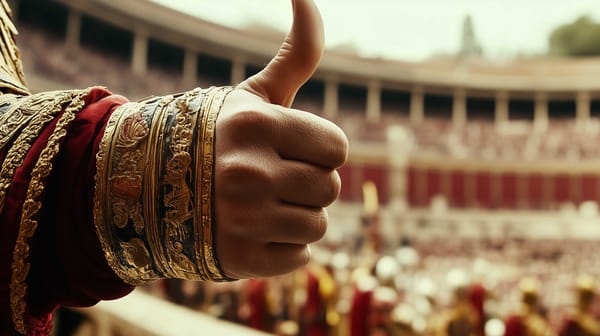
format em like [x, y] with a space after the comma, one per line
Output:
[470, 46]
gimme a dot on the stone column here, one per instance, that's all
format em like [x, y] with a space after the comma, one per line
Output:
[501, 113]
[238, 70]
[331, 99]
[400, 144]
[459, 107]
[139, 55]
[540, 117]
[190, 68]
[73, 30]
[583, 107]
[374, 101]
[417, 105]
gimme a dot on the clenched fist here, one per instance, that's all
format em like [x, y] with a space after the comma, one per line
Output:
[275, 166]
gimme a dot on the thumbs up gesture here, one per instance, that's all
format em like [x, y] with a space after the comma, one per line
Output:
[275, 166]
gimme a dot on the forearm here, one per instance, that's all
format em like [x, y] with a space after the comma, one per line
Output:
[45, 144]
[90, 181]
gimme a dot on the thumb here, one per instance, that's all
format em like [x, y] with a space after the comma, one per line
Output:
[296, 60]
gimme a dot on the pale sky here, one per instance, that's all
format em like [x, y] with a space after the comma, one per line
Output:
[411, 30]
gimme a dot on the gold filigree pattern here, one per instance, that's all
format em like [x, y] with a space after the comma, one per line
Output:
[117, 200]
[11, 68]
[126, 183]
[29, 117]
[28, 223]
[152, 216]
[152, 210]
[178, 197]
[20, 114]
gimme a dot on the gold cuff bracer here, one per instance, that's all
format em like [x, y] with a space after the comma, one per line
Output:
[153, 197]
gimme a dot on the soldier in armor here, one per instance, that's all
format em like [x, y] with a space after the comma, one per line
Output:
[528, 321]
[320, 293]
[99, 195]
[581, 322]
[461, 319]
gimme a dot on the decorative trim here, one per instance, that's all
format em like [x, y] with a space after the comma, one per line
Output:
[28, 224]
[205, 165]
[118, 191]
[152, 207]
[32, 115]
[11, 68]
[177, 193]
[151, 203]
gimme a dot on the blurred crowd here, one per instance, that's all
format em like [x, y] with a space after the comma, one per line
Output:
[562, 139]
[442, 287]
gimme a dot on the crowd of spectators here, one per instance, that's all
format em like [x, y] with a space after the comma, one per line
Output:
[411, 288]
[561, 139]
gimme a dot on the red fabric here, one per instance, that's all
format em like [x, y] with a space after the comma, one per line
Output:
[477, 299]
[257, 299]
[67, 263]
[433, 185]
[359, 311]
[571, 327]
[483, 189]
[10, 217]
[514, 326]
[313, 312]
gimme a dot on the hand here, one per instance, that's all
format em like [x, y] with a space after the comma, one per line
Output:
[275, 166]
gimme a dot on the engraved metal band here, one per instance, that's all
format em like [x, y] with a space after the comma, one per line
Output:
[205, 165]
[117, 203]
[150, 217]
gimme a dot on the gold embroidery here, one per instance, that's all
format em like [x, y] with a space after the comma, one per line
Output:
[34, 113]
[32, 205]
[11, 69]
[20, 113]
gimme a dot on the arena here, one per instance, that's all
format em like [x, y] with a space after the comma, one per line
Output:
[462, 174]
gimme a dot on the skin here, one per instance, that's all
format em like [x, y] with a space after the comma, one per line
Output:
[275, 166]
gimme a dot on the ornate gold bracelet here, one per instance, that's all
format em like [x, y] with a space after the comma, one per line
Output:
[152, 205]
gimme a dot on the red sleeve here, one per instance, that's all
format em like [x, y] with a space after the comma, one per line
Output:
[67, 264]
